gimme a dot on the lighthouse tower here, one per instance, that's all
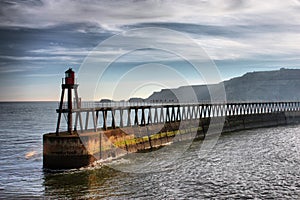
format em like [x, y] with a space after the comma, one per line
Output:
[68, 83]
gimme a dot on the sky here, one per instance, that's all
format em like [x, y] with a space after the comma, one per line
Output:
[41, 39]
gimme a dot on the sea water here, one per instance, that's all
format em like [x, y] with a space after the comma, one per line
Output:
[260, 163]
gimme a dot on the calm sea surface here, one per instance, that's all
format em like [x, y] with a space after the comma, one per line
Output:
[261, 163]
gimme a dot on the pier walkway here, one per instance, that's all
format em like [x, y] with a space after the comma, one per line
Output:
[126, 114]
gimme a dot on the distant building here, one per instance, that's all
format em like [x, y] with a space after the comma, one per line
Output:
[106, 101]
[135, 99]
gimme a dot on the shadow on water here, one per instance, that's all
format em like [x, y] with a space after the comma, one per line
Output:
[127, 176]
[78, 183]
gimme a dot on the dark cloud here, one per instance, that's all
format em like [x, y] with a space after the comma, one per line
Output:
[20, 49]
[229, 31]
[19, 41]
[237, 4]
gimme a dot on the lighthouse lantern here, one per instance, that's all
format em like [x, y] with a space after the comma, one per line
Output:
[70, 77]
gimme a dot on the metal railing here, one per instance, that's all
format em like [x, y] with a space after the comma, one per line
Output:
[91, 104]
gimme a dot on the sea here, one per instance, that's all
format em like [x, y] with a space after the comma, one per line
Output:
[257, 164]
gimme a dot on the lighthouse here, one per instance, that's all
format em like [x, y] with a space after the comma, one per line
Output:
[66, 149]
[68, 83]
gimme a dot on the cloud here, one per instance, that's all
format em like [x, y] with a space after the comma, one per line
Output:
[42, 75]
[113, 15]
[39, 58]
[62, 51]
[66, 31]
[15, 68]
[281, 46]
[226, 29]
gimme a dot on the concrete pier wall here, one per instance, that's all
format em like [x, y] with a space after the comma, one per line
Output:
[65, 152]
[81, 149]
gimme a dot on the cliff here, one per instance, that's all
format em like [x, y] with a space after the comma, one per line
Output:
[280, 85]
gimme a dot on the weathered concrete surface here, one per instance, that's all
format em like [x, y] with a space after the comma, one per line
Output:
[292, 117]
[65, 152]
[242, 122]
[71, 151]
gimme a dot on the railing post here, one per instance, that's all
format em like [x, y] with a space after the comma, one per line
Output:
[129, 117]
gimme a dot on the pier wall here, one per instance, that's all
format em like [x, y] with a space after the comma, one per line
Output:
[81, 149]
[65, 152]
